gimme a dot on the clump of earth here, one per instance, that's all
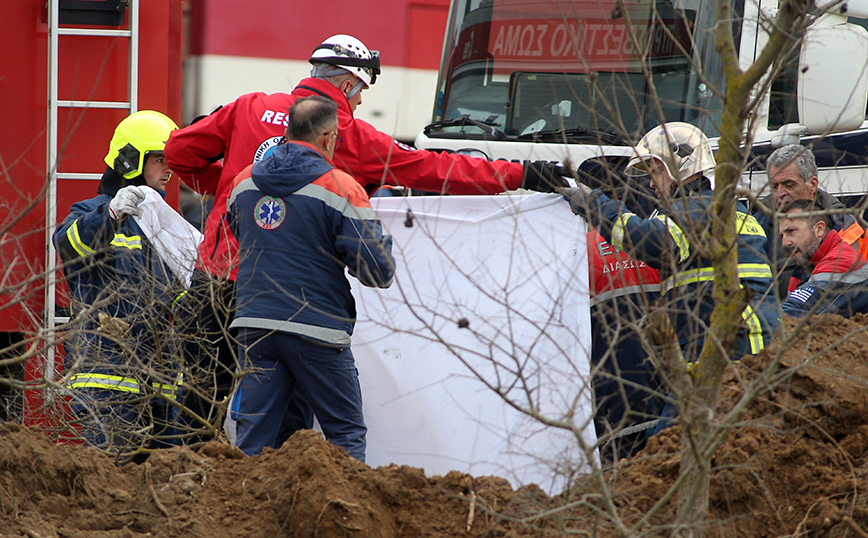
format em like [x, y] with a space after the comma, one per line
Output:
[794, 465]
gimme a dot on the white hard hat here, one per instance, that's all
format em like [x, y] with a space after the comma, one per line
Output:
[350, 54]
[682, 148]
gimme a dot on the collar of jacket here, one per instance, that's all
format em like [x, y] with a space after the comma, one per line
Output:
[311, 146]
[318, 86]
[111, 182]
[697, 186]
[835, 256]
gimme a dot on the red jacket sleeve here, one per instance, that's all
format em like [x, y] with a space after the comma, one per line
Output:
[193, 152]
[374, 158]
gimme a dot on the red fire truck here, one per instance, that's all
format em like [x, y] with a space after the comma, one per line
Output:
[72, 69]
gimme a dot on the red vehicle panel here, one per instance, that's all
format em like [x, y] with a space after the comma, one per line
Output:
[89, 68]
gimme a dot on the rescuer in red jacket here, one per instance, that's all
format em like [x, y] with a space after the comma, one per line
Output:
[243, 131]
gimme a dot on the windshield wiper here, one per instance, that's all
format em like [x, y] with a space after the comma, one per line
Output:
[488, 127]
[558, 135]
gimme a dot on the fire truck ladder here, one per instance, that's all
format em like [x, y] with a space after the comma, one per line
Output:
[55, 104]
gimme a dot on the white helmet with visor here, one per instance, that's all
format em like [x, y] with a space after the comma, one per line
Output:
[681, 147]
[348, 54]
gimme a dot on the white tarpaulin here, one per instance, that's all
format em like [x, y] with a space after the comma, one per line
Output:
[174, 239]
[490, 295]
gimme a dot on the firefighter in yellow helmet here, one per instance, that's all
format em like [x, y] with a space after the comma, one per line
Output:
[118, 369]
[680, 162]
[135, 153]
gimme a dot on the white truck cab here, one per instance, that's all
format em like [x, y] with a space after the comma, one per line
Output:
[572, 80]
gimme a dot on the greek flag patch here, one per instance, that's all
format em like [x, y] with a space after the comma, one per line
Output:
[802, 294]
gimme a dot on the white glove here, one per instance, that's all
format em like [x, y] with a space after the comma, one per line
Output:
[126, 203]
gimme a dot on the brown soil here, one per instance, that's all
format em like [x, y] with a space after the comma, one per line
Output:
[794, 466]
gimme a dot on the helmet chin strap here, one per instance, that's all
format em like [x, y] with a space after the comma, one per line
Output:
[356, 89]
[327, 70]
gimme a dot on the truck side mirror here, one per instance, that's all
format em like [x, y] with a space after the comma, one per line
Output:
[833, 75]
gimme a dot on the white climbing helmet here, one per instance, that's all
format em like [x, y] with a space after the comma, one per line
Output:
[682, 148]
[348, 53]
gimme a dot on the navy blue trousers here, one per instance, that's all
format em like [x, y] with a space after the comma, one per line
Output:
[113, 420]
[282, 364]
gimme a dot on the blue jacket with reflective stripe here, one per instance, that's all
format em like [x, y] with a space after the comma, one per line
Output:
[299, 222]
[111, 268]
[668, 242]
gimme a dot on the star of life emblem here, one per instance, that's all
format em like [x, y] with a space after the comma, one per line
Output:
[270, 212]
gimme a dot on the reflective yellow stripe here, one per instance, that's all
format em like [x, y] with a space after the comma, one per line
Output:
[705, 274]
[104, 381]
[75, 240]
[178, 299]
[619, 227]
[170, 391]
[677, 235]
[127, 241]
[754, 270]
[755, 334]
[748, 225]
[120, 383]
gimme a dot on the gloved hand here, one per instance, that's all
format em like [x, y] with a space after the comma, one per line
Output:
[126, 203]
[544, 176]
[576, 196]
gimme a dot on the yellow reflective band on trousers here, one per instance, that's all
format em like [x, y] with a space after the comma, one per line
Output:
[104, 381]
[75, 240]
[755, 330]
[131, 242]
[678, 236]
[170, 391]
[706, 274]
[120, 384]
[619, 227]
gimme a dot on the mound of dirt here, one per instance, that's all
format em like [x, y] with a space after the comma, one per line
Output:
[796, 461]
[795, 464]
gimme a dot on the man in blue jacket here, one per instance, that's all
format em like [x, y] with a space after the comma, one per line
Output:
[300, 223]
[120, 371]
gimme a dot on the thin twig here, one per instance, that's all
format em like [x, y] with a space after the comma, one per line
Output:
[856, 528]
[157, 500]
[472, 511]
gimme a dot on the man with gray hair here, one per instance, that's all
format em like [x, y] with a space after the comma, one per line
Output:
[792, 172]
[300, 222]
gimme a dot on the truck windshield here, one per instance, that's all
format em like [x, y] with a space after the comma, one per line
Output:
[572, 68]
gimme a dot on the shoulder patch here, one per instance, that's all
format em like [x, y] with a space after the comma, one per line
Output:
[403, 146]
[802, 294]
[264, 149]
[269, 212]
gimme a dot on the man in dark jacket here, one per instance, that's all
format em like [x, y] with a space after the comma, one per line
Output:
[300, 222]
[835, 274]
[792, 172]
[679, 159]
[121, 375]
